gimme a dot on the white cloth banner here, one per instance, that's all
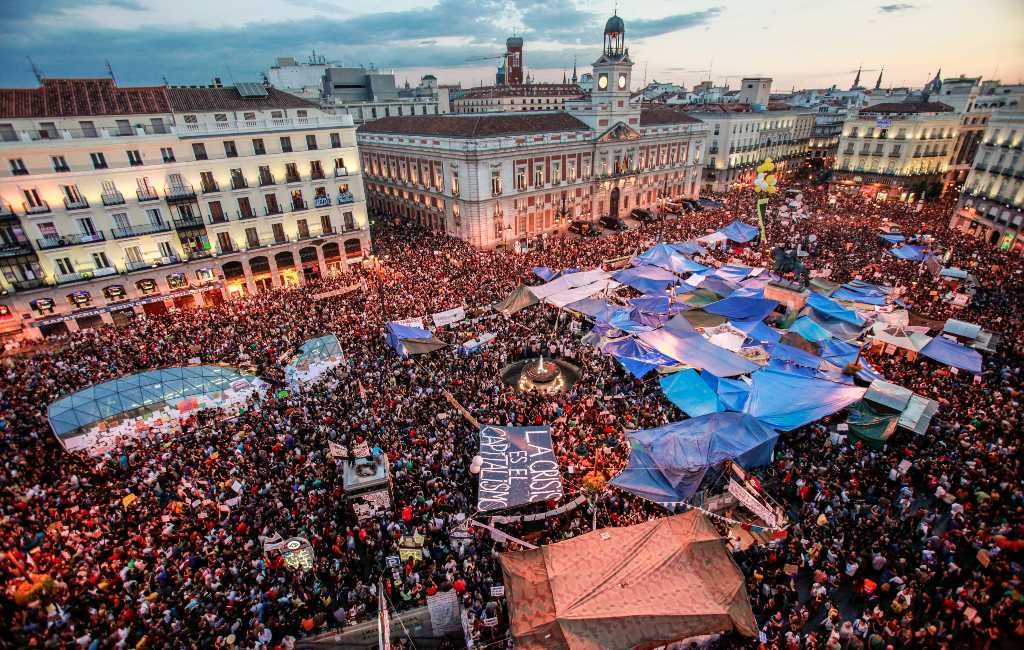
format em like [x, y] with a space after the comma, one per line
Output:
[444, 612]
[752, 503]
[449, 316]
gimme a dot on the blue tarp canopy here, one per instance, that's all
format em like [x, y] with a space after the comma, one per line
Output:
[739, 232]
[856, 291]
[839, 353]
[807, 328]
[646, 279]
[740, 308]
[406, 340]
[590, 306]
[790, 354]
[690, 248]
[653, 304]
[961, 328]
[953, 272]
[544, 273]
[757, 330]
[690, 393]
[636, 357]
[667, 257]
[893, 237]
[789, 399]
[910, 253]
[667, 464]
[718, 286]
[696, 351]
[734, 273]
[732, 393]
[620, 319]
[829, 308]
[953, 354]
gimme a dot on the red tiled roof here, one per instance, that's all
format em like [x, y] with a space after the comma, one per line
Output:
[655, 115]
[74, 97]
[908, 107]
[475, 126]
[197, 100]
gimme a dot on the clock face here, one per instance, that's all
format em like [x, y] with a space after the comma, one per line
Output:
[602, 81]
[622, 81]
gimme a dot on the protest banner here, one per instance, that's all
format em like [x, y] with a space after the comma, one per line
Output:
[518, 467]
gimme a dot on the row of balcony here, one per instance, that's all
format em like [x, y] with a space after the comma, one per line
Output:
[1008, 172]
[199, 128]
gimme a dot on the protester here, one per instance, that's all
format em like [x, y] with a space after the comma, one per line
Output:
[927, 559]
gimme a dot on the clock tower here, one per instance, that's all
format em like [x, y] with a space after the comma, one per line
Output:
[613, 71]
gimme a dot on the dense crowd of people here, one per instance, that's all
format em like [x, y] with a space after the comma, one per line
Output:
[927, 558]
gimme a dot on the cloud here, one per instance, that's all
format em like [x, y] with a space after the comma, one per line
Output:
[440, 36]
[896, 8]
[18, 11]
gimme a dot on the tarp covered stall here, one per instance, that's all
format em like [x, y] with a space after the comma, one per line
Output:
[646, 279]
[739, 232]
[757, 330]
[568, 281]
[862, 292]
[888, 394]
[312, 359]
[873, 426]
[788, 400]
[689, 248]
[738, 308]
[810, 330]
[636, 357]
[519, 299]
[700, 318]
[667, 464]
[953, 354]
[669, 258]
[638, 586]
[900, 337]
[590, 306]
[690, 393]
[407, 340]
[909, 253]
[575, 294]
[713, 240]
[696, 351]
[697, 297]
[953, 273]
[828, 308]
[961, 329]
[918, 414]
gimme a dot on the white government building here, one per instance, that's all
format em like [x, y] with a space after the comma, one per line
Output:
[117, 200]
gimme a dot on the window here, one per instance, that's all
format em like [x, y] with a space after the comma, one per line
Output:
[455, 179]
[252, 238]
[86, 226]
[335, 140]
[124, 127]
[339, 167]
[220, 117]
[18, 167]
[238, 181]
[301, 113]
[208, 182]
[249, 116]
[291, 173]
[64, 265]
[157, 124]
[59, 164]
[99, 161]
[134, 157]
[303, 227]
[133, 255]
[556, 171]
[266, 178]
[276, 115]
[154, 216]
[311, 141]
[167, 154]
[286, 144]
[217, 212]
[224, 242]
[495, 180]
[350, 222]
[538, 175]
[72, 197]
[258, 149]
[47, 230]
[325, 224]
[199, 151]
[244, 208]
[316, 171]
[279, 236]
[88, 129]
[121, 222]
[520, 178]
[100, 260]
[229, 149]
[272, 206]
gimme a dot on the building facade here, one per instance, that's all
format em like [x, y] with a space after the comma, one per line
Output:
[521, 97]
[125, 200]
[896, 151]
[498, 178]
[991, 204]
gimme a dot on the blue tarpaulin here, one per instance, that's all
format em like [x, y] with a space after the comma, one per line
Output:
[860, 292]
[652, 304]
[810, 330]
[787, 400]
[784, 352]
[680, 326]
[718, 286]
[732, 393]
[667, 257]
[690, 393]
[636, 357]
[893, 237]
[646, 279]
[654, 321]
[620, 320]
[740, 232]
[732, 273]
[757, 330]
[544, 273]
[667, 464]
[694, 350]
[831, 309]
[910, 253]
[953, 354]
[839, 353]
[403, 339]
[739, 308]
[590, 306]
[690, 248]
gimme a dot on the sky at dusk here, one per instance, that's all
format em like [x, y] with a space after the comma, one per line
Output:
[801, 43]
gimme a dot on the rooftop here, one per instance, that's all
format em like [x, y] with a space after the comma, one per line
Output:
[655, 115]
[55, 98]
[523, 90]
[475, 126]
[909, 107]
[734, 108]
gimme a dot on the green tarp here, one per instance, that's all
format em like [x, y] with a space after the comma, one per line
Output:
[871, 425]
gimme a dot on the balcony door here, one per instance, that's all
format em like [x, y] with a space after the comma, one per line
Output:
[86, 226]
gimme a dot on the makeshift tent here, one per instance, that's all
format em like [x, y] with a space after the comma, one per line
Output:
[544, 273]
[893, 237]
[787, 400]
[828, 308]
[918, 414]
[731, 273]
[697, 297]
[590, 306]
[739, 232]
[575, 294]
[690, 393]
[694, 350]
[823, 286]
[900, 337]
[888, 394]
[700, 318]
[646, 279]
[312, 359]
[620, 320]
[961, 329]
[690, 248]
[406, 340]
[732, 393]
[954, 273]
[636, 357]
[680, 326]
[807, 328]
[738, 308]
[794, 355]
[667, 464]
[713, 240]
[566, 282]
[757, 330]
[873, 426]
[953, 354]
[862, 292]
[909, 253]
[653, 304]
[637, 586]
[667, 257]
[726, 336]
[838, 353]
[718, 286]
[519, 299]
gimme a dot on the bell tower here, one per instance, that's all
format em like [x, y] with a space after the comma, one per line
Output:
[613, 71]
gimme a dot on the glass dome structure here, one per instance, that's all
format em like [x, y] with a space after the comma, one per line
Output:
[138, 392]
[313, 357]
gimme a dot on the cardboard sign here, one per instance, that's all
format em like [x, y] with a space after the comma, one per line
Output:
[497, 590]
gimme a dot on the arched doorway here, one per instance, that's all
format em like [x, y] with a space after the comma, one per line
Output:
[285, 263]
[310, 263]
[234, 278]
[994, 237]
[332, 257]
[353, 248]
[613, 203]
[260, 268]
